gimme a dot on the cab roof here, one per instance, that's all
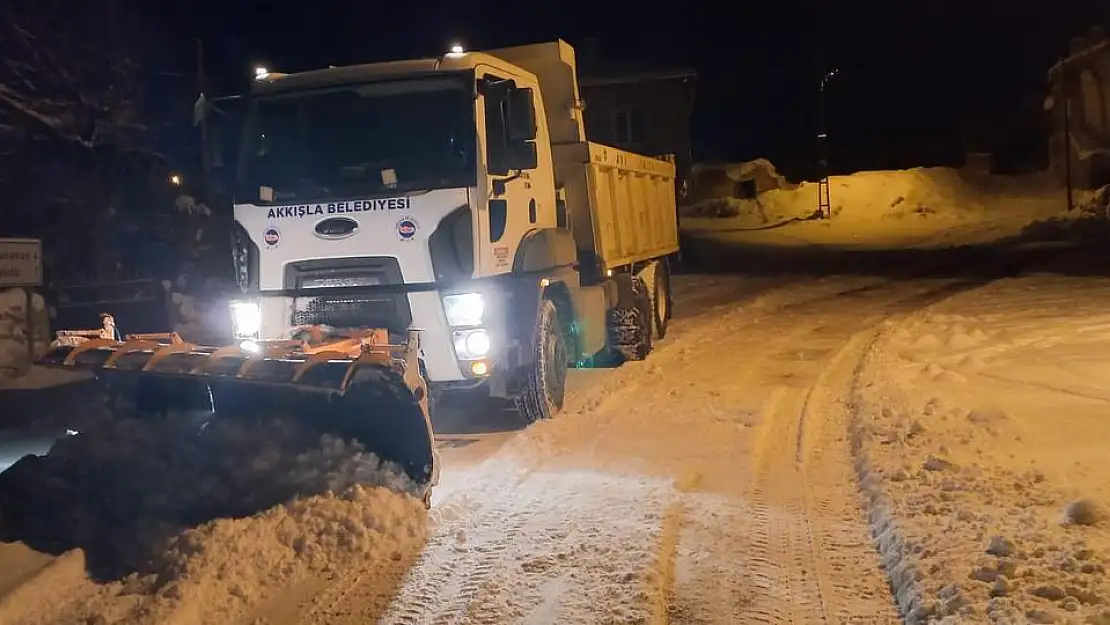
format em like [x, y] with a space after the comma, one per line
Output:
[368, 72]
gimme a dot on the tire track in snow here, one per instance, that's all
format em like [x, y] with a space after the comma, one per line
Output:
[663, 595]
[839, 542]
[826, 463]
[561, 547]
[778, 492]
[513, 571]
[352, 601]
[807, 548]
[448, 574]
[441, 588]
[605, 568]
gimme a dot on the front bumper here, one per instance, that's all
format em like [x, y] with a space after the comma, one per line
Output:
[281, 313]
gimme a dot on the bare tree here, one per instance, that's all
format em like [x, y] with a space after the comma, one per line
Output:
[75, 137]
[71, 71]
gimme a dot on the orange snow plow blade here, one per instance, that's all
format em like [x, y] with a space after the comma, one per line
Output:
[355, 386]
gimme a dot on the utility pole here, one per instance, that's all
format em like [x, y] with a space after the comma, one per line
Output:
[824, 202]
[1067, 133]
[205, 152]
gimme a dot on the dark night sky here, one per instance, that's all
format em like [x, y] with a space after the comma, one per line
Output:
[912, 73]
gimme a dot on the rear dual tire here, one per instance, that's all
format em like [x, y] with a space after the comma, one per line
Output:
[630, 327]
[661, 300]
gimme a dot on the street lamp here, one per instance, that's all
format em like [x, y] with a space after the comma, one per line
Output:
[824, 203]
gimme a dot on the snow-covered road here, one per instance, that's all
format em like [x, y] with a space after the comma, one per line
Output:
[713, 483]
[723, 480]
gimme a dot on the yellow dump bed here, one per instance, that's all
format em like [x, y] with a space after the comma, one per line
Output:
[631, 206]
[621, 205]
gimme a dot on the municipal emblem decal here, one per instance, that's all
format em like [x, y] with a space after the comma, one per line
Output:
[406, 228]
[271, 236]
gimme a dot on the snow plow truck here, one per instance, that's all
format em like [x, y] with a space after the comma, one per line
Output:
[407, 229]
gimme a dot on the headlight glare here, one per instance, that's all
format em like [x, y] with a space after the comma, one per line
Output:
[478, 343]
[464, 309]
[472, 344]
[246, 319]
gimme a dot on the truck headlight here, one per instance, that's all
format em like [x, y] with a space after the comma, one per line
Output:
[472, 344]
[464, 309]
[246, 320]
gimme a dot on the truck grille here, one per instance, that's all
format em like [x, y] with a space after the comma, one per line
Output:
[344, 312]
[370, 303]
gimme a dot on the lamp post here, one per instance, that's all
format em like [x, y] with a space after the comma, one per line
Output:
[1066, 110]
[824, 203]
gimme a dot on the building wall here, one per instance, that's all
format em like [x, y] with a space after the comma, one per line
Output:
[664, 106]
[1083, 81]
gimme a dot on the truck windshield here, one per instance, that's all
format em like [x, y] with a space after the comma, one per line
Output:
[382, 137]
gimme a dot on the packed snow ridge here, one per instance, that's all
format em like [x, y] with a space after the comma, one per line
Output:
[161, 519]
[982, 423]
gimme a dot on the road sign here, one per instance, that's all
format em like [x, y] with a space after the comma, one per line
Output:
[20, 262]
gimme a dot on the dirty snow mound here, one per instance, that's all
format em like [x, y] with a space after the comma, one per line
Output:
[222, 567]
[198, 522]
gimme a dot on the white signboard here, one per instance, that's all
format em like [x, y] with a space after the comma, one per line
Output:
[20, 262]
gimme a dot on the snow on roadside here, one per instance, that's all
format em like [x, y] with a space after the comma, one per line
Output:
[197, 526]
[38, 377]
[983, 441]
[921, 207]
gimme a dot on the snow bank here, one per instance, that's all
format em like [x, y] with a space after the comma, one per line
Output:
[197, 524]
[981, 423]
[915, 207]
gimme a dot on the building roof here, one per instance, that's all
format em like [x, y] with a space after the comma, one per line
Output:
[1083, 50]
[595, 70]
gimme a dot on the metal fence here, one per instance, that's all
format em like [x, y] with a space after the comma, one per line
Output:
[141, 305]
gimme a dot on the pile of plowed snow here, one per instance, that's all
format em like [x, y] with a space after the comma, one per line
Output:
[914, 207]
[171, 521]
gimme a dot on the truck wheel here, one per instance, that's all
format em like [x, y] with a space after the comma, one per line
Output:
[661, 300]
[545, 380]
[630, 329]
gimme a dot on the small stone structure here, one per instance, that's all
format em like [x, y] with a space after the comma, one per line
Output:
[710, 181]
[17, 327]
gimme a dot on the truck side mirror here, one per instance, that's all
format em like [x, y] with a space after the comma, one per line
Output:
[522, 115]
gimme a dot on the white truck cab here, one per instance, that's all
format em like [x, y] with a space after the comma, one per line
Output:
[456, 196]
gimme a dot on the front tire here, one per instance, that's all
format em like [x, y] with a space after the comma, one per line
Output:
[545, 379]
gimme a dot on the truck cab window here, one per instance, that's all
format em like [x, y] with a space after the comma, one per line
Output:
[510, 125]
[497, 132]
[338, 140]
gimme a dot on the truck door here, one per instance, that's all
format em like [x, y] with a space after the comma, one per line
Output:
[511, 196]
